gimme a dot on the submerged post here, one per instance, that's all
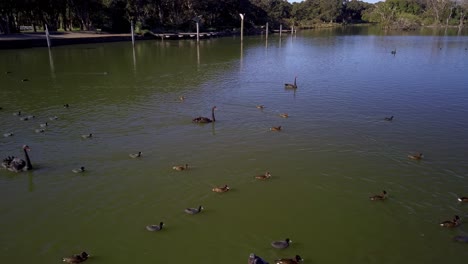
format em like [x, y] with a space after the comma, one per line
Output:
[133, 34]
[47, 36]
[242, 26]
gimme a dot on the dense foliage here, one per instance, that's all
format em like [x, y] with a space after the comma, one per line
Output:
[158, 15]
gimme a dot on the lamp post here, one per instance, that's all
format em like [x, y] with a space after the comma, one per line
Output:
[242, 26]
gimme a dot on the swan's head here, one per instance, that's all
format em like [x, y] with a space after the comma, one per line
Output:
[26, 147]
[214, 108]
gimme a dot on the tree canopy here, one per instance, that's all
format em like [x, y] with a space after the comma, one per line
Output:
[166, 15]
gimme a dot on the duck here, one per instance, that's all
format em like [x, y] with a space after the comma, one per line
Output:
[379, 197]
[265, 176]
[66, 106]
[76, 258]
[17, 113]
[180, 167]
[393, 52]
[260, 106]
[254, 259]
[284, 115]
[153, 228]
[297, 259]
[40, 130]
[388, 118]
[53, 118]
[451, 223]
[24, 118]
[281, 243]
[278, 128]
[194, 210]
[8, 72]
[43, 124]
[87, 136]
[80, 170]
[463, 199]
[16, 164]
[25, 80]
[291, 85]
[225, 188]
[135, 155]
[8, 134]
[202, 119]
[418, 156]
[181, 98]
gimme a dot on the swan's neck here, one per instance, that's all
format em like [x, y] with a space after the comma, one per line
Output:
[212, 114]
[28, 161]
[295, 81]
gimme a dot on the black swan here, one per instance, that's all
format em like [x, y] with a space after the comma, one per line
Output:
[16, 164]
[135, 155]
[291, 85]
[194, 210]
[388, 118]
[379, 197]
[254, 259]
[281, 243]
[153, 228]
[202, 119]
[295, 260]
[76, 258]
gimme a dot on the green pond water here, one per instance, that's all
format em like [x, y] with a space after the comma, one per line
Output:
[334, 151]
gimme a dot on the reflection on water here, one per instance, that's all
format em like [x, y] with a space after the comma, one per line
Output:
[334, 151]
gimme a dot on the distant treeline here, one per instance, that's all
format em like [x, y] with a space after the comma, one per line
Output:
[219, 15]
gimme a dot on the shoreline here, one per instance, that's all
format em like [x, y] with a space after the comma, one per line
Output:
[34, 40]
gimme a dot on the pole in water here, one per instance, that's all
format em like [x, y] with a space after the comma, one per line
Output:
[47, 36]
[133, 34]
[281, 29]
[267, 30]
[242, 26]
[198, 33]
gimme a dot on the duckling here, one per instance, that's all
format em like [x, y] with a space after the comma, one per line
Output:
[418, 156]
[80, 170]
[388, 118]
[265, 176]
[66, 106]
[281, 243]
[379, 197]
[260, 106]
[254, 259]
[180, 167]
[225, 188]
[76, 258]
[135, 155]
[284, 115]
[451, 223]
[153, 228]
[278, 128]
[194, 210]
[8, 134]
[463, 199]
[87, 136]
[295, 260]
[53, 118]
[44, 124]
[40, 130]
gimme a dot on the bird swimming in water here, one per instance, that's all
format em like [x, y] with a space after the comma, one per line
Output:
[379, 197]
[202, 119]
[265, 176]
[180, 167]
[76, 258]
[254, 259]
[153, 228]
[418, 156]
[80, 170]
[135, 155]
[451, 223]
[281, 243]
[278, 128]
[388, 118]
[291, 85]
[284, 115]
[87, 136]
[225, 188]
[194, 210]
[297, 259]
